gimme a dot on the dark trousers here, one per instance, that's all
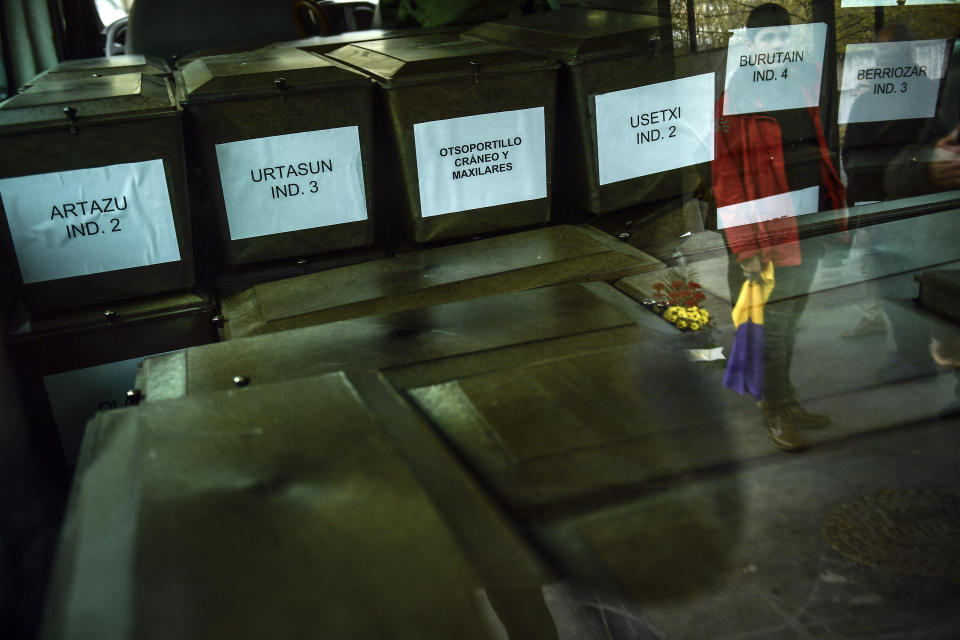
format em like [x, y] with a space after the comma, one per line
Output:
[780, 317]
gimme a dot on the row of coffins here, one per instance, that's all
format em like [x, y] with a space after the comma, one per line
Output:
[117, 176]
[260, 489]
[128, 183]
[291, 152]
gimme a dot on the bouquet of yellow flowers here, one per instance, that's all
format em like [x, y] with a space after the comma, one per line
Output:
[687, 318]
[677, 301]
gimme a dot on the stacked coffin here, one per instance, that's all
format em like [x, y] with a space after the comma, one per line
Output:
[98, 67]
[93, 190]
[280, 145]
[467, 134]
[434, 276]
[97, 238]
[288, 510]
[75, 363]
[325, 44]
[570, 446]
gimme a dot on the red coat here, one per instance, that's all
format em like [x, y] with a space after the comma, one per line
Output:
[749, 165]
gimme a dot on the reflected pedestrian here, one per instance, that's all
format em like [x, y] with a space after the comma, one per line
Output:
[767, 161]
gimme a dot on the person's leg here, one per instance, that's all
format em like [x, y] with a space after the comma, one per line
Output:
[780, 428]
[787, 303]
[912, 358]
[873, 318]
[781, 320]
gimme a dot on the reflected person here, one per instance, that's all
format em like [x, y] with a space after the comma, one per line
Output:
[869, 148]
[764, 158]
[930, 165]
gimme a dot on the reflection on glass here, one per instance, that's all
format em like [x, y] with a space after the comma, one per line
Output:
[772, 165]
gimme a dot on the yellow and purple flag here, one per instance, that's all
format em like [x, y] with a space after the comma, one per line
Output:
[745, 366]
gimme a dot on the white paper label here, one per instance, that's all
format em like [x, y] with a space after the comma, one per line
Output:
[774, 68]
[292, 182]
[655, 128]
[76, 223]
[891, 80]
[75, 396]
[782, 205]
[850, 4]
[481, 161]
[705, 355]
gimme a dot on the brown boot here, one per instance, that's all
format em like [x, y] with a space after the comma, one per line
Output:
[781, 428]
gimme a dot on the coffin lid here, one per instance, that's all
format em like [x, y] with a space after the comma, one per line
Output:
[326, 43]
[133, 62]
[574, 35]
[648, 7]
[322, 44]
[435, 57]
[292, 502]
[261, 72]
[112, 315]
[122, 96]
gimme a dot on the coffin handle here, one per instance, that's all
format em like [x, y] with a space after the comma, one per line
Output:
[71, 114]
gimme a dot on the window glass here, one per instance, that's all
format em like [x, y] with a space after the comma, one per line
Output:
[779, 273]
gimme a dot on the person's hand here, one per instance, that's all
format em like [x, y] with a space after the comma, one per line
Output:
[944, 170]
[752, 268]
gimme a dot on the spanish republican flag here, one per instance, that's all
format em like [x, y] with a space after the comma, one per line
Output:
[745, 366]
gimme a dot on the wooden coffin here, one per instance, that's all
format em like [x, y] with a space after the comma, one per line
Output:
[291, 510]
[280, 143]
[106, 66]
[412, 348]
[470, 129]
[74, 364]
[570, 447]
[429, 277]
[93, 191]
